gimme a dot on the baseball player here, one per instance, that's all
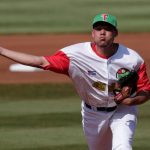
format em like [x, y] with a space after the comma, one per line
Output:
[108, 117]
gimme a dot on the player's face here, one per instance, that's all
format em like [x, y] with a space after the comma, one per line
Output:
[103, 35]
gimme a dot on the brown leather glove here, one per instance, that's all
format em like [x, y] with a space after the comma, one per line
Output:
[125, 87]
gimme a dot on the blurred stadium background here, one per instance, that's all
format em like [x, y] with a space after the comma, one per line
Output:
[46, 116]
[65, 16]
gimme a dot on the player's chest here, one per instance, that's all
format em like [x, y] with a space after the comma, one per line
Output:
[100, 69]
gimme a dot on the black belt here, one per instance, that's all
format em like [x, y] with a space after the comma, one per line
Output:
[107, 109]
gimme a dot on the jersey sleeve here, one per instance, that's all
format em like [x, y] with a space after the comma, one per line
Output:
[143, 82]
[59, 62]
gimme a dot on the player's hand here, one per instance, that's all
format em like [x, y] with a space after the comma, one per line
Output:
[122, 95]
[1, 49]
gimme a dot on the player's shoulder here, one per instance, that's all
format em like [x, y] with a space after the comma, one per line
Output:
[130, 54]
[129, 51]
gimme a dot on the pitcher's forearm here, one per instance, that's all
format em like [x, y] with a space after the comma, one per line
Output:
[26, 59]
[141, 98]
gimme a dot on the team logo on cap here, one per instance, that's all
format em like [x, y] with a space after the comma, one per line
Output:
[104, 16]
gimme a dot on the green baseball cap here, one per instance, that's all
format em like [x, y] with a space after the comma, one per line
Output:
[103, 17]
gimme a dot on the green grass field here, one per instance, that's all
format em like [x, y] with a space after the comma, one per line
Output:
[64, 16]
[47, 117]
[36, 117]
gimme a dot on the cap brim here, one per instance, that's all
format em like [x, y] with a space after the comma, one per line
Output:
[103, 22]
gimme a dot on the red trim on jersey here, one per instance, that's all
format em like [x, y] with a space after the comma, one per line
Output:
[143, 82]
[59, 62]
[93, 45]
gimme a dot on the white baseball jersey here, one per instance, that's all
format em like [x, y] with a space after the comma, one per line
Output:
[94, 75]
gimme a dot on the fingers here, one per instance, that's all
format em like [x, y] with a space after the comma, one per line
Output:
[124, 93]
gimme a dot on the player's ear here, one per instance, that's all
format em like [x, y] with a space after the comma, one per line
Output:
[92, 33]
[115, 32]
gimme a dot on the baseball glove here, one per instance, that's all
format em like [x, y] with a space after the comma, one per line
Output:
[125, 86]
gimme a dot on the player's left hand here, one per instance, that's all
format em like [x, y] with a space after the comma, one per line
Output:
[123, 94]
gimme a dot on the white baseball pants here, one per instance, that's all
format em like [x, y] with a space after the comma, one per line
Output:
[109, 130]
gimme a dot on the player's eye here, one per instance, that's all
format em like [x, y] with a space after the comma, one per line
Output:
[98, 28]
[107, 28]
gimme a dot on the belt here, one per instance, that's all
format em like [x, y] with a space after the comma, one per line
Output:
[107, 109]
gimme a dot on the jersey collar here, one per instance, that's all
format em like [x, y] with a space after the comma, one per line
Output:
[93, 46]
